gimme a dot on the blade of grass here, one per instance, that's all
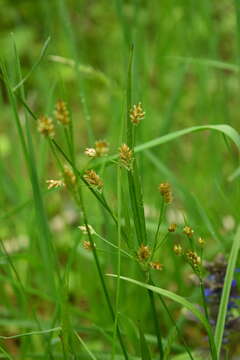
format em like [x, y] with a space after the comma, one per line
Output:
[180, 300]
[222, 312]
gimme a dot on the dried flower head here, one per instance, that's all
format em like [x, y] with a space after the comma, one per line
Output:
[187, 230]
[101, 148]
[137, 114]
[88, 245]
[172, 227]
[61, 112]
[91, 152]
[126, 156]
[156, 265]
[53, 184]
[201, 241]
[144, 252]
[193, 259]
[84, 229]
[69, 176]
[93, 179]
[46, 126]
[166, 192]
[178, 249]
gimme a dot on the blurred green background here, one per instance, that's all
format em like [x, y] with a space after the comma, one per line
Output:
[186, 73]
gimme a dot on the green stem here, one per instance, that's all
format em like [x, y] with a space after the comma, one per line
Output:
[210, 334]
[158, 227]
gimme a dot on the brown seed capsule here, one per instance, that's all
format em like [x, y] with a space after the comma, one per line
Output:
[125, 156]
[87, 245]
[156, 265]
[165, 190]
[137, 114]
[61, 112]
[187, 230]
[178, 249]
[201, 241]
[144, 252]
[53, 184]
[46, 126]
[93, 179]
[172, 227]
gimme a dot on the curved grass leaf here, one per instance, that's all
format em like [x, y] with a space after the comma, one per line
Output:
[225, 130]
[179, 299]
[222, 312]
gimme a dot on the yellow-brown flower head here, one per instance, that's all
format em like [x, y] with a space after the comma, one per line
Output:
[187, 230]
[53, 184]
[137, 114]
[61, 112]
[69, 176]
[156, 265]
[178, 249]
[46, 126]
[88, 245]
[144, 253]
[201, 241]
[93, 179]
[90, 152]
[193, 259]
[166, 192]
[101, 148]
[125, 156]
[85, 229]
[172, 227]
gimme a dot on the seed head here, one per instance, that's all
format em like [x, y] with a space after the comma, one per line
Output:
[172, 227]
[84, 229]
[61, 112]
[101, 148]
[93, 179]
[137, 114]
[166, 192]
[53, 184]
[201, 241]
[156, 265]
[46, 126]
[125, 156]
[187, 230]
[91, 152]
[178, 249]
[193, 259]
[88, 245]
[69, 176]
[144, 252]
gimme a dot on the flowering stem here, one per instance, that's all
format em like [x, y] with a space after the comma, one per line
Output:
[158, 227]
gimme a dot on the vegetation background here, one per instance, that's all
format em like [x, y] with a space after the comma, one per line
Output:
[185, 73]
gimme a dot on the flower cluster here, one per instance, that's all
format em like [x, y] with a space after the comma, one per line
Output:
[126, 156]
[137, 114]
[46, 126]
[61, 113]
[166, 192]
[101, 149]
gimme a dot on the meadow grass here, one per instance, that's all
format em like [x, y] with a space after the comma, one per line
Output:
[125, 287]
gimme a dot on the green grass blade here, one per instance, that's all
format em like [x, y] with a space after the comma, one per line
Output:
[84, 345]
[222, 312]
[178, 299]
[39, 59]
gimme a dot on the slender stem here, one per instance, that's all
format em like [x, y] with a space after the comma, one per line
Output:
[156, 323]
[158, 227]
[210, 335]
